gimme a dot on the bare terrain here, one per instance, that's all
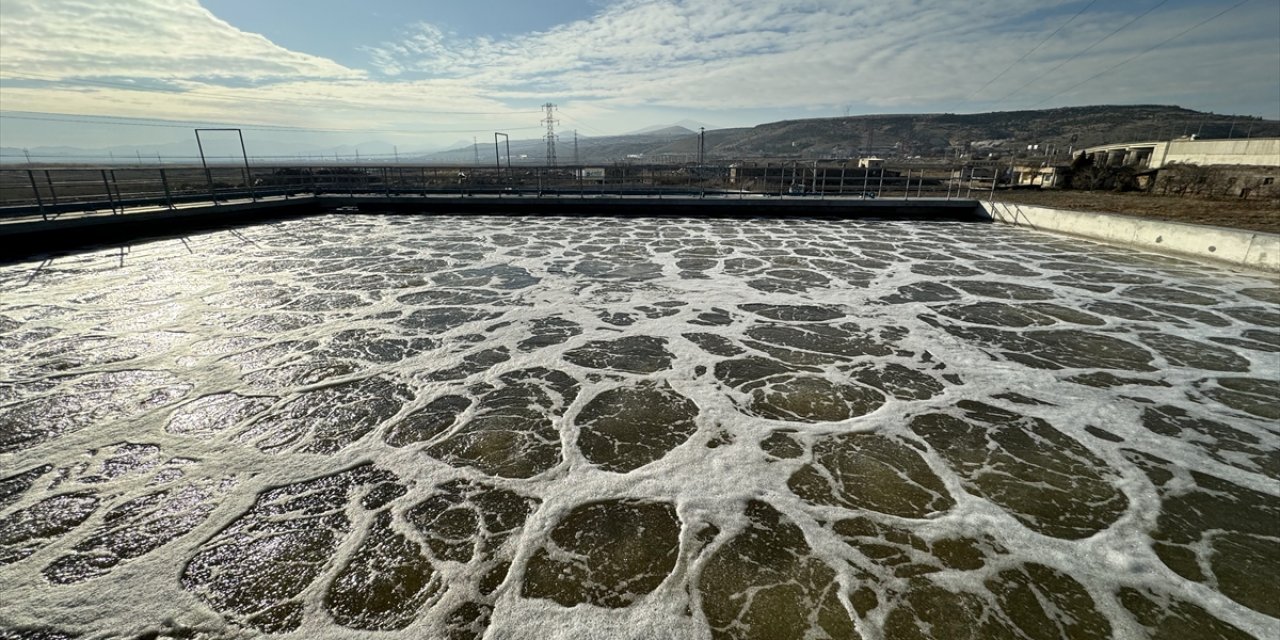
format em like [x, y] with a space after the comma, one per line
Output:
[1253, 215]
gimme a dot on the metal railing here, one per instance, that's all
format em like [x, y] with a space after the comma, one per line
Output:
[55, 190]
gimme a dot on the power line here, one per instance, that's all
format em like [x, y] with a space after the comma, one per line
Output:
[179, 124]
[1146, 51]
[1084, 51]
[581, 123]
[220, 95]
[1033, 49]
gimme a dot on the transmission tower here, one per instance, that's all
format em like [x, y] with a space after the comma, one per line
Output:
[551, 123]
[576, 159]
[475, 146]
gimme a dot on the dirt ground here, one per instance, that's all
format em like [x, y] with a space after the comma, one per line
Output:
[1254, 215]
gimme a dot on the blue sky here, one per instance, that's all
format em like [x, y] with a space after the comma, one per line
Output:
[340, 29]
[426, 74]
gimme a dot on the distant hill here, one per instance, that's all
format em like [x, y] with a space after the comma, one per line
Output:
[979, 134]
[897, 136]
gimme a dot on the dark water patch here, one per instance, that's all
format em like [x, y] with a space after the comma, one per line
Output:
[470, 522]
[384, 584]
[428, 422]
[1169, 294]
[472, 364]
[923, 292]
[906, 554]
[815, 344]
[328, 419]
[373, 346]
[632, 354]
[1059, 348]
[1266, 344]
[137, 527]
[256, 569]
[13, 487]
[625, 428]
[79, 402]
[870, 471]
[714, 344]
[713, 318]
[997, 314]
[512, 432]
[804, 398]
[1224, 443]
[445, 319]
[1183, 352]
[1002, 290]
[1168, 618]
[549, 332]
[1263, 294]
[1047, 481]
[1214, 531]
[1006, 268]
[607, 554]
[764, 583]
[213, 414]
[1195, 314]
[1106, 380]
[944, 270]
[1260, 316]
[794, 313]
[25, 531]
[1251, 395]
[500, 277]
[782, 444]
[1126, 311]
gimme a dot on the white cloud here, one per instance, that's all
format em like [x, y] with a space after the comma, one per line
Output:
[718, 55]
[638, 62]
[167, 39]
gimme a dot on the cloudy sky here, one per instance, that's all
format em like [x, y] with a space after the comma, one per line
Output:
[428, 73]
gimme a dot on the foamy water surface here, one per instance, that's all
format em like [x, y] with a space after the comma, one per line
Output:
[447, 427]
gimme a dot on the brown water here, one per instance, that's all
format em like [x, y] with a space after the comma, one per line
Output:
[571, 428]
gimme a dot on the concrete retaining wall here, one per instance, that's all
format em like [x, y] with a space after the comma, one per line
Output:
[1252, 250]
[1258, 151]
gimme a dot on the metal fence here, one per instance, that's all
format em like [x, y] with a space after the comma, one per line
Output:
[51, 191]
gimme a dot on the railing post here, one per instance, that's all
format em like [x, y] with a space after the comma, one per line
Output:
[116, 184]
[107, 185]
[248, 173]
[53, 193]
[36, 190]
[906, 191]
[168, 197]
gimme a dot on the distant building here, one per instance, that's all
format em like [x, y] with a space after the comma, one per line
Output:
[1154, 155]
[590, 173]
[870, 163]
[1246, 168]
[1046, 177]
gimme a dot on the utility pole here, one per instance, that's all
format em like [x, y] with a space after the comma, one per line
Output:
[551, 123]
[395, 150]
[475, 146]
[702, 146]
[576, 159]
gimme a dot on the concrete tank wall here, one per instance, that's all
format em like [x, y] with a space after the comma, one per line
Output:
[1262, 151]
[1252, 250]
